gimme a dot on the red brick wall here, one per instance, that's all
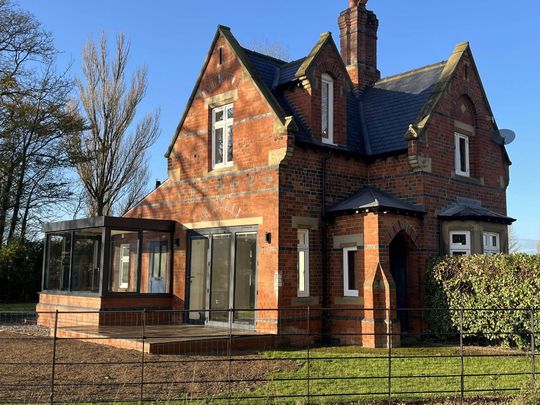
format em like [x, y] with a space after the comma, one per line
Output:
[306, 97]
[195, 193]
[301, 194]
[256, 188]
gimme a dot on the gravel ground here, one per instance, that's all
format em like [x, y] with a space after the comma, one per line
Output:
[91, 372]
[29, 330]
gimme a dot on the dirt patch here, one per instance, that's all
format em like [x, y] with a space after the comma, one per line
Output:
[96, 373]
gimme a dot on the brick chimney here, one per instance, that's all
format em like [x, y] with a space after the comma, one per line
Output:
[358, 36]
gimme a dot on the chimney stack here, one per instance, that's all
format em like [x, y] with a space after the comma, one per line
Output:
[358, 36]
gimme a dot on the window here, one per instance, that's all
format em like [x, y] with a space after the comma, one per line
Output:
[350, 272]
[222, 136]
[86, 260]
[303, 263]
[220, 56]
[124, 265]
[460, 243]
[58, 261]
[462, 155]
[156, 258]
[124, 261]
[492, 244]
[327, 104]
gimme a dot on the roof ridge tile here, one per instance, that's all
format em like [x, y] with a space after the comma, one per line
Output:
[411, 72]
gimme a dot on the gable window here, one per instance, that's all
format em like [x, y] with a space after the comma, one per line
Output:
[462, 155]
[303, 263]
[460, 243]
[222, 136]
[350, 272]
[327, 106]
[492, 244]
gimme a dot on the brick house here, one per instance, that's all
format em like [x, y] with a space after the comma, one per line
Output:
[312, 183]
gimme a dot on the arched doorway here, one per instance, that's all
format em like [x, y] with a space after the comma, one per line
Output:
[399, 252]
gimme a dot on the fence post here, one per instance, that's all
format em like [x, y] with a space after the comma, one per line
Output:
[53, 366]
[389, 345]
[462, 398]
[143, 337]
[231, 314]
[308, 356]
[533, 346]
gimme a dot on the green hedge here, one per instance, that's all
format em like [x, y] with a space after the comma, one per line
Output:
[20, 271]
[481, 285]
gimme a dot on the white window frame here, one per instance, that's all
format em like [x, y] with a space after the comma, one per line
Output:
[327, 80]
[303, 247]
[124, 259]
[346, 291]
[225, 124]
[458, 137]
[459, 248]
[488, 248]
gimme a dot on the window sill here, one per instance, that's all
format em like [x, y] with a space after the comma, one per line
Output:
[468, 179]
[223, 169]
[349, 301]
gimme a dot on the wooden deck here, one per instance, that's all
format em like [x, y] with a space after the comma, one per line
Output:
[170, 339]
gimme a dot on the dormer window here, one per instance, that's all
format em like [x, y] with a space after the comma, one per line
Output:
[462, 155]
[222, 136]
[327, 104]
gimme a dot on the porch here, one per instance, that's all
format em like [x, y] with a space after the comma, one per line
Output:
[170, 339]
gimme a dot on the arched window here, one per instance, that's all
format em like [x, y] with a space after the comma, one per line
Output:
[464, 116]
[327, 108]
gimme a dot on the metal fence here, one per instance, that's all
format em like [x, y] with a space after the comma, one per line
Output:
[262, 356]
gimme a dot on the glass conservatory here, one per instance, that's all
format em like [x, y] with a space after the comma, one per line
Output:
[108, 256]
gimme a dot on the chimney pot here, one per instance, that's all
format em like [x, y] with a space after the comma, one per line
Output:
[358, 34]
[356, 3]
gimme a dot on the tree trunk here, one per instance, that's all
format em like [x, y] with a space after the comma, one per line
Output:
[24, 221]
[5, 202]
[17, 201]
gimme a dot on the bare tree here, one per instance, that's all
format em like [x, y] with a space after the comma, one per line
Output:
[273, 49]
[112, 163]
[513, 240]
[23, 42]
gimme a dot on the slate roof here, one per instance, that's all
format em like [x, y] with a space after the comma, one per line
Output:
[392, 104]
[267, 68]
[373, 199]
[377, 120]
[464, 209]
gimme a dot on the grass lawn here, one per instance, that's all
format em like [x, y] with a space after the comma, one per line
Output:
[359, 374]
[25, 307]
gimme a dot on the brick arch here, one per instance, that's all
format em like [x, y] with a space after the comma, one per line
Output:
[399, 226]
[332, 69]
[465, 110]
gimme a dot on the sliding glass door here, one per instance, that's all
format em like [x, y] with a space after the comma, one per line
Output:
[220, 279]
[222, 274]
[245, 277]
[198, 266]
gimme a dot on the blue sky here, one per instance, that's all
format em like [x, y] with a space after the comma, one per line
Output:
[172, 38]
